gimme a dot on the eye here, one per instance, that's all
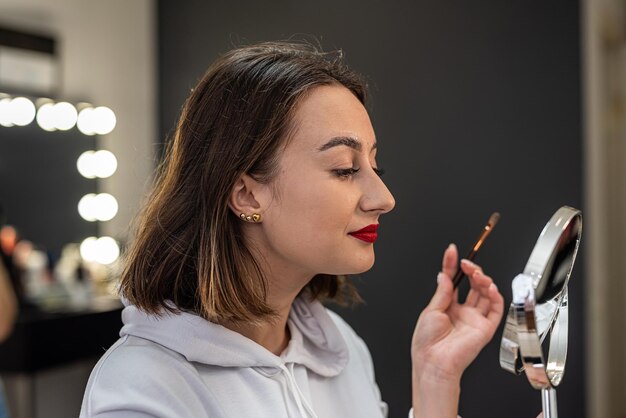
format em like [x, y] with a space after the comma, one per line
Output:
[379, 171]
[346, 172]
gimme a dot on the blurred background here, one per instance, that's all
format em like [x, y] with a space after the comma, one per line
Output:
[518, 107]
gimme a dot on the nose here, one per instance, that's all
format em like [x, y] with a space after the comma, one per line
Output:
[376, 196]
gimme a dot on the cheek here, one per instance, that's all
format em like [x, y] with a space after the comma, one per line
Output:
[309, 225]
[312, 217]
[327, 210]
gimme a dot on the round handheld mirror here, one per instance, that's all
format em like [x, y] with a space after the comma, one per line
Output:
[551, 262]
[540, 307]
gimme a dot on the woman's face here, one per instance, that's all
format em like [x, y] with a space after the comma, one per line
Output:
[327, 188]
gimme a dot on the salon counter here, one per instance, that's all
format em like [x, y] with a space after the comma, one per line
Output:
[44, 339]
[47, 360]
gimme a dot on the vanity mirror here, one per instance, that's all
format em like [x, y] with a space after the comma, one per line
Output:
[539, 310]
[40, 186]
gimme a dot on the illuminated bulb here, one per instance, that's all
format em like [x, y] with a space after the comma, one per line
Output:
[65, 116]
[89, 249]
[104, 120]
[105, 163]
[5, 113]
[86, 123]
[87, 208]
[107, 250]
[105, 207]
[22, 111]
[85, 165]
[93, 164]
[45, 117]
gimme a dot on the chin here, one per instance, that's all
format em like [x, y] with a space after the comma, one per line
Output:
[362, 267]
[368, 268]
[352, 262]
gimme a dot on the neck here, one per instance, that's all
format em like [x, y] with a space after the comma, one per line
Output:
[273, 335]
[284, 284]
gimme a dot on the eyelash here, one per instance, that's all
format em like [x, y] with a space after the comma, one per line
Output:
[349, 172]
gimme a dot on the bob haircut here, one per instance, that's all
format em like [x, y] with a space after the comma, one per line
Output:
[189, 251]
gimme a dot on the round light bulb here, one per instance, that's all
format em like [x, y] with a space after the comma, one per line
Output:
[5, 113]
[22, 111]
[86, 122]
[107, 250]
[45, 117]
[105, 163]
[65, 116]
[89, 249]
[86, 164]
[87, 207]
[104, 120]
[105, 206]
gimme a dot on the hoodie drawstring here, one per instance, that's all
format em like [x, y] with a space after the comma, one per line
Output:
[305, 410]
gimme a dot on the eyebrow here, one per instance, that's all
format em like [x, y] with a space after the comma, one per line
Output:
[347, 141]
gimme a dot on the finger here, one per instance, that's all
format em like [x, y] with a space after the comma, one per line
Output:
[444, 294]
[481, 287]
[484, 306]
[540, 415]
[478, 282]
[497, 305]
[472, 298]
[450, 260]
[469, 267]
[488, 301]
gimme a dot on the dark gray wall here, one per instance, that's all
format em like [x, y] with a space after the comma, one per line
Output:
[476, 106]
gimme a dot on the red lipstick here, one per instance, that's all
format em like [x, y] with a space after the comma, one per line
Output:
[367, 234]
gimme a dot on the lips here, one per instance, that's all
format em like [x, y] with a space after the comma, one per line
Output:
[367, 234]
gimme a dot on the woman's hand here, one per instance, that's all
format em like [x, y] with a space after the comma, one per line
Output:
[449, 335]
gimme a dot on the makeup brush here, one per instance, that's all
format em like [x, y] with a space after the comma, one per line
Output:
[493, 220]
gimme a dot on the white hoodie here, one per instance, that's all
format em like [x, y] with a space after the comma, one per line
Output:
[180, 365]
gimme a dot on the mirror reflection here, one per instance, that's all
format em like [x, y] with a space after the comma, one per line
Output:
[560, 263]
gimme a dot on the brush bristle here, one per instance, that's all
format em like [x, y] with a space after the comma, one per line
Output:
[493, 219]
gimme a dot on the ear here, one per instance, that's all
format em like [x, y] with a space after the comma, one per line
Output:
[247, 196]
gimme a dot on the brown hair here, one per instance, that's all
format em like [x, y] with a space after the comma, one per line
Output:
[189, 247]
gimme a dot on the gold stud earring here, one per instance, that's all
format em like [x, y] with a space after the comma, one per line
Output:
[255, 217]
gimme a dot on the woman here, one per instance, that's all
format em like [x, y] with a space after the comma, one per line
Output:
[268, 199]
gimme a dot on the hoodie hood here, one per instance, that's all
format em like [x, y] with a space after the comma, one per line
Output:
[316, 342]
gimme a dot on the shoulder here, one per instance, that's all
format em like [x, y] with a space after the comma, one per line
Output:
[133, 357]
[361, 362]
[138, 376]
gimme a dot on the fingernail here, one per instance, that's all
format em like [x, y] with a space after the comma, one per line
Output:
[493, 285]
[466, 261]
[439, 278]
